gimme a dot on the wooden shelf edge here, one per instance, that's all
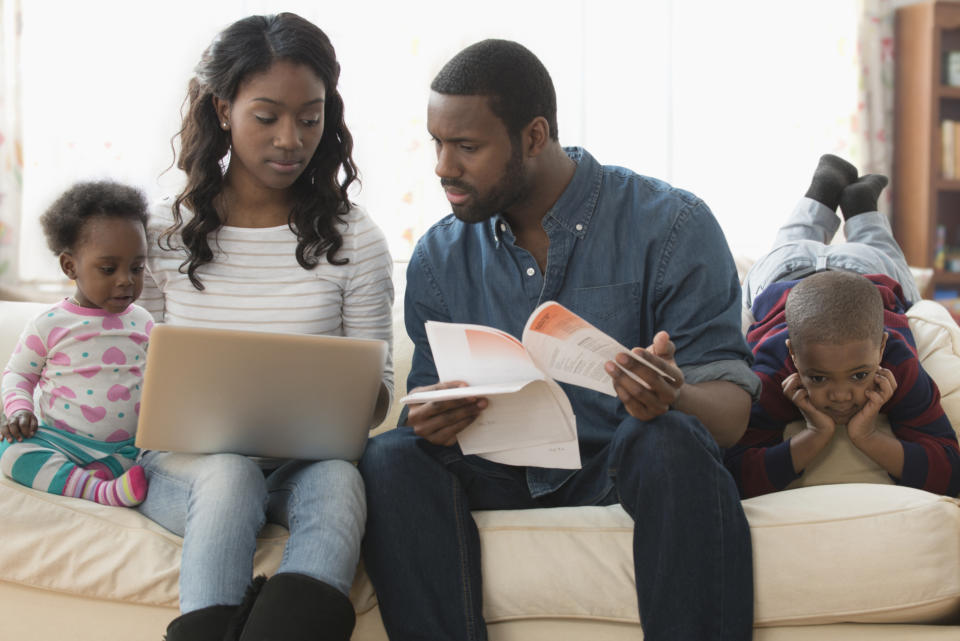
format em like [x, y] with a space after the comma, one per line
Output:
[941, 277]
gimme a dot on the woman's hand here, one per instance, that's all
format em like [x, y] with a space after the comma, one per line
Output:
[440, 421]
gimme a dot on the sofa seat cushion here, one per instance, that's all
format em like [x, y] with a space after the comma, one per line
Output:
[78, 547]
[822, 554]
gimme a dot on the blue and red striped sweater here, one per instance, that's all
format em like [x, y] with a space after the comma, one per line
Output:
[761, 461]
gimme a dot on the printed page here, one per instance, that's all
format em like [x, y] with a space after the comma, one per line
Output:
[571, 350]
[560, 455]
[529, 417]
[479, 355]
[463, 392]
[564, 456]
[528, 421]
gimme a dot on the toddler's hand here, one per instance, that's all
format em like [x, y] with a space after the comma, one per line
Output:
[817, 421]
[864, 423]
[21, 425]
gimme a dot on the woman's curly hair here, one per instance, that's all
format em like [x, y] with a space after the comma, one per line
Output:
[247, 47]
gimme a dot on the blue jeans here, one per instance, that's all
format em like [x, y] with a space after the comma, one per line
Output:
[219, 502]
[803, 243]
[691, 544]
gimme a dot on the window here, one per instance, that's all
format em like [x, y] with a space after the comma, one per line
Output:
[734, 101]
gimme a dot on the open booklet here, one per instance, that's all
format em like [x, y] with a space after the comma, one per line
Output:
[529, 420]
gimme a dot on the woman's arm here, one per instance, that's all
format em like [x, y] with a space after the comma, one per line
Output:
[367, 310]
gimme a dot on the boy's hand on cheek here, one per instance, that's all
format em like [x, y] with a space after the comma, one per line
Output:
[864, 423]
[817, 421]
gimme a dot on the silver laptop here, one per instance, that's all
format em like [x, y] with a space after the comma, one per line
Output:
[260, 394]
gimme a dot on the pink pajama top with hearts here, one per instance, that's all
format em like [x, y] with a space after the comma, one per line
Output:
[85, 367]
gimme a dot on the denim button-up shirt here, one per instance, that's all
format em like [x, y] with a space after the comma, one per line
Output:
[630, 254]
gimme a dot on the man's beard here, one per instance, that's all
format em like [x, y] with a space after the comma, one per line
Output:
[512, 188]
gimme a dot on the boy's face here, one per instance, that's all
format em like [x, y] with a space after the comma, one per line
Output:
[836, 376]
[107, 263]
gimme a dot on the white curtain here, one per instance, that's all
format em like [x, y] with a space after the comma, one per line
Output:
[11, 149]
[873, 122]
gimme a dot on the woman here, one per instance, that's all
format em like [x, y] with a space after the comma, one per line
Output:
[264, 237]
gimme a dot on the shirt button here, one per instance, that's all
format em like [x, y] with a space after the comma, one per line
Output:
[531, 271]
[579, 227]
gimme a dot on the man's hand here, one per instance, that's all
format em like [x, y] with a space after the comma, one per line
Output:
[643, 402]
[863, 425]
[21, 425]
[440, 421]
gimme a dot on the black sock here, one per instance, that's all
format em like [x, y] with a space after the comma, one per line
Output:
[831, 176]
[862, 196]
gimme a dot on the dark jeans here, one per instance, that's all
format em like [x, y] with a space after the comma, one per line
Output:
[691, 543]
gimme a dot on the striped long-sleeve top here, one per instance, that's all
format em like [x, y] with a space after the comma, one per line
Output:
[761, 461]
[255, 283]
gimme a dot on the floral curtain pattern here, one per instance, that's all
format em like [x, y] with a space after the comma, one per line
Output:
[11, 148]
[873, 120]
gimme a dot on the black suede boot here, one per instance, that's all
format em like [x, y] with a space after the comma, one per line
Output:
[242, 612]
[294, 607]
[206, 624]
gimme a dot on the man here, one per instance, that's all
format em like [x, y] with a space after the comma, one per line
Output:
[644, 262]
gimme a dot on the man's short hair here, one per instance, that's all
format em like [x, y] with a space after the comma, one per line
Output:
[516, 83]
[834, 307]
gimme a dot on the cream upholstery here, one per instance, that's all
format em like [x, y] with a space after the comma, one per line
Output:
[831, 561]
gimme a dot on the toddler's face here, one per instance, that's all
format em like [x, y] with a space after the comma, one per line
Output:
[836, 376]
[107, 263]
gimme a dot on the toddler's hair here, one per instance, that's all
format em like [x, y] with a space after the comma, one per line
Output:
[63, 222]
[834, 307]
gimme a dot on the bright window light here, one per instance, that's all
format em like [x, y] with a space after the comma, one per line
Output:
[734, 101]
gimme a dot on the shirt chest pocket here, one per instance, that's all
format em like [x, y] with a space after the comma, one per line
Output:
[613, 309]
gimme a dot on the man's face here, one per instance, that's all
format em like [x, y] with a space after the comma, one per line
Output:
[480, 169]
[837, 376]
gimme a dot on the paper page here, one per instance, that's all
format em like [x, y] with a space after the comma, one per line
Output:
[479, 355]
[528, 417]
[565, 456]
[462, 392]
[560, 455]
[571, 350]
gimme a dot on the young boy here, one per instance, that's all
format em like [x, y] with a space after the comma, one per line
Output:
[832, 345]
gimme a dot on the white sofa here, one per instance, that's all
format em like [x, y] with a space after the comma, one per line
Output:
[851, 557]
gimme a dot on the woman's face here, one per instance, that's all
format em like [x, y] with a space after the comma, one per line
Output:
[275, 125]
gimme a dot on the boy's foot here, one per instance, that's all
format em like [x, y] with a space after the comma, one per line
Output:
[832, 175]
[862, 196]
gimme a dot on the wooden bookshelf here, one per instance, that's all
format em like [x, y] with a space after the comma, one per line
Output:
[923, 198]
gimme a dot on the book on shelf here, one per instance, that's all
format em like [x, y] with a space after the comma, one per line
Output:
[956, 150]
[948, 151]
[528, 420]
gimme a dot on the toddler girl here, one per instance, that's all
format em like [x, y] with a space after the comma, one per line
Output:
[82, 359]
